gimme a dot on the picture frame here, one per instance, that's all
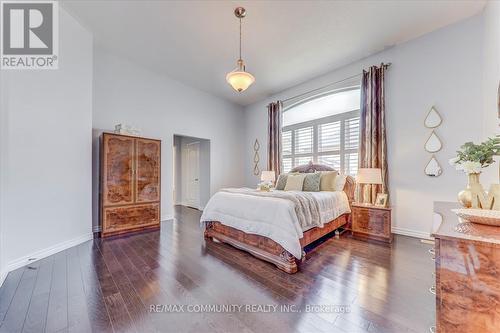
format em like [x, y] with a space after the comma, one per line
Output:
[381, 200]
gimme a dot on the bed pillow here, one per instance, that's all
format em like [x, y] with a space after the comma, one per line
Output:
[281, 183]
[312, 182]
[340, 182]
[327, 182]
[294, 182]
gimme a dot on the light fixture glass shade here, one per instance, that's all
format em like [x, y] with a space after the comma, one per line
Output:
[240, 80]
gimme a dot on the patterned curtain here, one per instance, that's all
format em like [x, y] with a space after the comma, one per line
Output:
[373, 141]
[274, 137]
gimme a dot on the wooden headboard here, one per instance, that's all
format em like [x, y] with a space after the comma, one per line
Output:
[350, 183]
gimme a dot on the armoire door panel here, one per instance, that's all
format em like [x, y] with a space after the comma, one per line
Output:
[147, 184]
[118, 159]
[130, 217]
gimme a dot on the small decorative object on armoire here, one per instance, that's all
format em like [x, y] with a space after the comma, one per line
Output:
[367, 177]
[129, 184]
[127, 130]
[471, 159]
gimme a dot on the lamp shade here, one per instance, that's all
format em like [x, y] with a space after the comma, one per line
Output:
[240, 80]
[268, 176]
[369, 176]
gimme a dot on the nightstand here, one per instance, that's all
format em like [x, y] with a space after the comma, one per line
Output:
[371, 222]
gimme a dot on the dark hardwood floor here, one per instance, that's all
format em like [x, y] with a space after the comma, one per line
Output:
[110, 285]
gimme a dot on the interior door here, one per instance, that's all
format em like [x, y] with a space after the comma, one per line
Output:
[147, 185]
[118, 164]
[193, 174]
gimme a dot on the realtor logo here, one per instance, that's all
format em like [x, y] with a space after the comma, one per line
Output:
[29, 35]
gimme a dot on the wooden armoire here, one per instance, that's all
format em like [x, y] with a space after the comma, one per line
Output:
[129, 184]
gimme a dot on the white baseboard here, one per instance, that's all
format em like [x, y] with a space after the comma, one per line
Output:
[23, 261]
[411, 233]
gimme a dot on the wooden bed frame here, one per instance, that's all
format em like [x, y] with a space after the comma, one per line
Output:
[267, 249]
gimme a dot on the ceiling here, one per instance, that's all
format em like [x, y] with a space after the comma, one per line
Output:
[284, 42]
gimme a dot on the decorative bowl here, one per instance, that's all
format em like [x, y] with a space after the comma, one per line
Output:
[482, 216]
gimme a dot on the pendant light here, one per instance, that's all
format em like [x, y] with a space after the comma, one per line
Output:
[240, 79]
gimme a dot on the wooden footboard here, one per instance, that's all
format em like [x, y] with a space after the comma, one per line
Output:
[265, 248]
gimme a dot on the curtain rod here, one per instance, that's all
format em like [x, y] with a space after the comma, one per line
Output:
[330, 84]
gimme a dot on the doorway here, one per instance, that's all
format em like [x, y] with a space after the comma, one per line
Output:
[191, 176]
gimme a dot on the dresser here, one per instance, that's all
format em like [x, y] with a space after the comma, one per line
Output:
[129, 184]
[467, 258]
[371, 222]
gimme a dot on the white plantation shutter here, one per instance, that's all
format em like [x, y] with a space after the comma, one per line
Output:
[352, 133]
[331, 140]
[286, 143]
[329, 136]
[304, 140]
[332, 161]
[287, 164]
[351, 163]
[303, 160]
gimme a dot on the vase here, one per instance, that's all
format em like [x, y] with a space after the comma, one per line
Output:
[465, 196]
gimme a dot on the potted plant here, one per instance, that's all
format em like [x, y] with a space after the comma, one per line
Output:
[471, 159]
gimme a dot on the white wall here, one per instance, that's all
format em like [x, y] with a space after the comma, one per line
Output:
[46, 152]
[443, 69]
[162, 107]
[491, 79]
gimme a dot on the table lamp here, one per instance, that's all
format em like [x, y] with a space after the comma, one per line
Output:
[368, 176]
[267, 178]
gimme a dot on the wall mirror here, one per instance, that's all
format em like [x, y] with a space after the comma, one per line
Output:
[433, 118]
[433, 143]
[433, 169]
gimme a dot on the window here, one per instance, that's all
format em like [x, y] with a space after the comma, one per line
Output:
[324, 130]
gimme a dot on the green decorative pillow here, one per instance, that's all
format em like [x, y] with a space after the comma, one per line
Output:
[311, 182]
[281, 183]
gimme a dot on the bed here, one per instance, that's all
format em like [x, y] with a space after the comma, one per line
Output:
[266, 224]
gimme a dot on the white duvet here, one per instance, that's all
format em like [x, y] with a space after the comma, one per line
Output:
[274, 218]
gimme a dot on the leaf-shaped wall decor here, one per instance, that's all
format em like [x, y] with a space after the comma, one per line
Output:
[256, 170]
[433, 118]
[433, 143]
[433, 168]
[256, 145]
[256, 158]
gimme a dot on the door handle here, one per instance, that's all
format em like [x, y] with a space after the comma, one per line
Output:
[196, 179]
